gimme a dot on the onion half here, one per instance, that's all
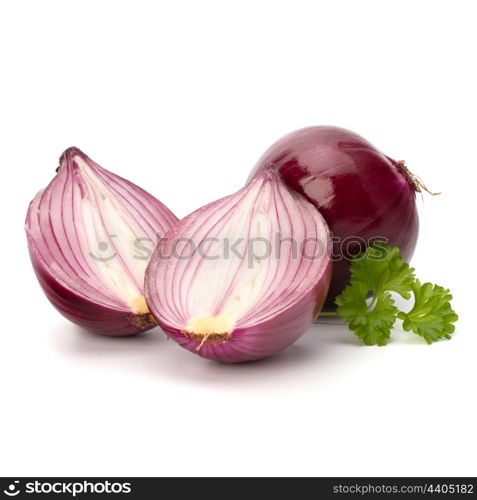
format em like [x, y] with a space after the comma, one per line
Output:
[90, 236]
[226, 283]
[363, 194]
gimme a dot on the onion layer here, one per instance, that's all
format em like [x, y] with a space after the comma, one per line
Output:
[362, 194]
[90, 235]
[243, 277]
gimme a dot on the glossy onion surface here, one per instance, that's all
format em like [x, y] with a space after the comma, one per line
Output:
[362, 193]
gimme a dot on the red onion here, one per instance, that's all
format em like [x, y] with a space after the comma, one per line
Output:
[243, 277]
[362, 193]
[88, 234]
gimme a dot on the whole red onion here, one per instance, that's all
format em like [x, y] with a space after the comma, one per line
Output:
[362, 193]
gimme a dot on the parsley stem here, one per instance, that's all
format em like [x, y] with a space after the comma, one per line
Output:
[373, 302]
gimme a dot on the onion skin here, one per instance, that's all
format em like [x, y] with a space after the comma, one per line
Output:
[268, 325]
[87, 314]
[360, 192]
[51, 230]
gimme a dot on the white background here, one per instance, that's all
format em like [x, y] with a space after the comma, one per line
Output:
[182, 98]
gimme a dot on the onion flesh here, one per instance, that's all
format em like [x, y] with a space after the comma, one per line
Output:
[225, 282]
[89, 233]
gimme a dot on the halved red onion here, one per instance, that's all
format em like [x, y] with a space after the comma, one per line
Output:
[243, 277]
[90, 235]
[362, 193]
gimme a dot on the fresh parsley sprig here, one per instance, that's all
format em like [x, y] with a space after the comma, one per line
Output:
[432, 315]
[379, 271]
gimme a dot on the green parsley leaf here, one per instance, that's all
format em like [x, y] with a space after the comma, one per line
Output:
[432, 315]
[372, 326]
[381, 269]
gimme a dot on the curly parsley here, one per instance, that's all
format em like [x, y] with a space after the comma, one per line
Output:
[379, 271]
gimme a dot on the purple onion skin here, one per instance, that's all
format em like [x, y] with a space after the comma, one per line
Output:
[360, 192]
[86, 314]
[245, 345]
